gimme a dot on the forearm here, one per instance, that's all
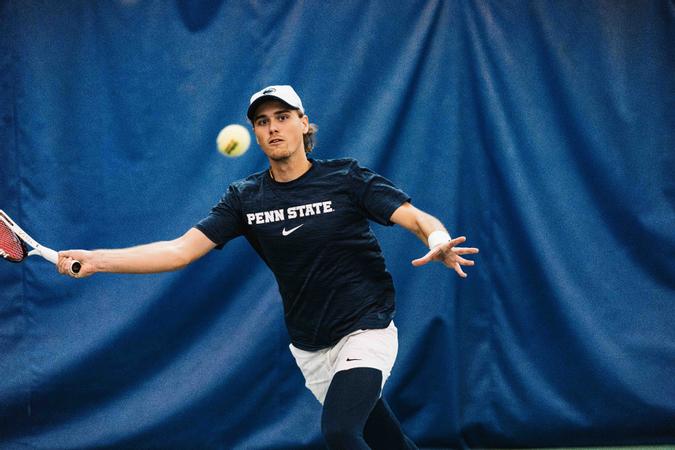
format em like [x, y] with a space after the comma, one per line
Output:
[426, 224]
[418, 222]
[163, 256]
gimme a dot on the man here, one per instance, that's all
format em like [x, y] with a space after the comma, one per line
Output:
[308, 220]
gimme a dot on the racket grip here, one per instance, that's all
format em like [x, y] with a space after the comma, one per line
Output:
[47, 253]
[75, 267]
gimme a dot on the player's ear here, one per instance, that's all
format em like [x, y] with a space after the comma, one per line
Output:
[305, 123]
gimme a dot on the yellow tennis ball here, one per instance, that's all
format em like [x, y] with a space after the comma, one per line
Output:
[233, 140]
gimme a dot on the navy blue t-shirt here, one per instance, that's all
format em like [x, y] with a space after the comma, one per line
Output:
[313, 233]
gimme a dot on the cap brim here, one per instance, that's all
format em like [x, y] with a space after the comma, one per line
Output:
[260, 100]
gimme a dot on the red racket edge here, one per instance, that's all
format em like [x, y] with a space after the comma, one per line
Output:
[12, 248]
[12, 260]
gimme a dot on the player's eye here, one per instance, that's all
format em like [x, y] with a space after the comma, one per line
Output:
[282, 117]
[261, 122]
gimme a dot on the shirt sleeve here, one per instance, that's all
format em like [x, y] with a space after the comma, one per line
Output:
[225, 221]
[376, 196]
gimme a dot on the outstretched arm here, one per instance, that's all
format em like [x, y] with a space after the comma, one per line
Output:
[164, 256]
[431, 231]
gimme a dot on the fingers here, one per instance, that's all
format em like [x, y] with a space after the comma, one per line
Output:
[63, 263]
[455, 241]
[465, 262]
[439, 252]
[465, 250]
[66, 260]
[450, 255]
[428, 257]
[459, 270]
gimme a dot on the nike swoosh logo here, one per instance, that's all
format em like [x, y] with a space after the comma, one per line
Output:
[284, 232]
[353, 359]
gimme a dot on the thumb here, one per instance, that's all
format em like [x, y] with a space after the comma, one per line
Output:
[426, 258]
[79, 255]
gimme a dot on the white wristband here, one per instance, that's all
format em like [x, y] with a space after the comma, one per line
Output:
[437, 237]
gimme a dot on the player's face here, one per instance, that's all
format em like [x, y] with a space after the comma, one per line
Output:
[279, 130]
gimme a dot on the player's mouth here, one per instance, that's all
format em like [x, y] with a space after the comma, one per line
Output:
[275, 141]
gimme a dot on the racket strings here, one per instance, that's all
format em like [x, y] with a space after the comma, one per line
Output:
[11, 247]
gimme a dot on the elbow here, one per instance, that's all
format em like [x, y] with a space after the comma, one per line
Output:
[180, 262]
[179, 258]
[188, 248]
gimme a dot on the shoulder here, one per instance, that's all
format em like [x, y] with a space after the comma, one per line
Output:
[340, 165]
[337, 162]
[251, 182]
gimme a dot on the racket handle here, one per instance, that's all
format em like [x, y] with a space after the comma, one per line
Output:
[47, 253]
[75, 267]
[52, 256]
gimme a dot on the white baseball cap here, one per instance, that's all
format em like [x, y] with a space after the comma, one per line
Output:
[284, 93]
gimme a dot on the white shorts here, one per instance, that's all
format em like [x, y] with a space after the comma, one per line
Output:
[362, 348]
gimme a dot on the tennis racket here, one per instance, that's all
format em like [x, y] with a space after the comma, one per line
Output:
[13, 242]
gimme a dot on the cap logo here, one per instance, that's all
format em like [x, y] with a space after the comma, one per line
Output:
[268, 91]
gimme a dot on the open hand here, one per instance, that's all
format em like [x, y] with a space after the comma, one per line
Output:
[449, 255]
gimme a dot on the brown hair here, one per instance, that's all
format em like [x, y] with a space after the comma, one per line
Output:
[309, 138]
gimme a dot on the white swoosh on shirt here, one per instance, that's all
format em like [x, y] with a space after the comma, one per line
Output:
[286, 233]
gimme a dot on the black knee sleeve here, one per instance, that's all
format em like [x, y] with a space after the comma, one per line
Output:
[350, 399]
[383, 431]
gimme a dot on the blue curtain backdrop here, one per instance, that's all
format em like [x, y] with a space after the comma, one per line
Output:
[544, 131]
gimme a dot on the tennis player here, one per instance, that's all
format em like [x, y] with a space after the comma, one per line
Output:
[308, 219]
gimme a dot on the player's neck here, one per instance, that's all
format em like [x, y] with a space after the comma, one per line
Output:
[289, 169]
